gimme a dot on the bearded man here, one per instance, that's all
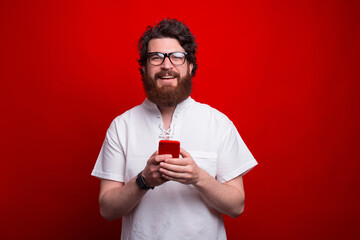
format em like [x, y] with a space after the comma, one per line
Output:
[161, 197]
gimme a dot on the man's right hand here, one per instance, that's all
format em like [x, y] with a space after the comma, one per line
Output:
[151, 172]
[118, 199]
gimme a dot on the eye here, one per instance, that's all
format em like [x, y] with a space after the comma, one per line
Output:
[156, 56]
[178, 55]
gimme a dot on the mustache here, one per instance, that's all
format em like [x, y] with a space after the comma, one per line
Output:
[164, 73]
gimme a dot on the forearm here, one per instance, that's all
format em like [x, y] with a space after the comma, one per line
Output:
[223, 197]
[119, 201]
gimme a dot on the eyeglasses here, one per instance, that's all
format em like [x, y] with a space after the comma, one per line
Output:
[157, 58]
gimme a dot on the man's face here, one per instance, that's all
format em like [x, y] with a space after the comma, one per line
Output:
[167, 84]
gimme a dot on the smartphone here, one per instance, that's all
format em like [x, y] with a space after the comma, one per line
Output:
[169, 147]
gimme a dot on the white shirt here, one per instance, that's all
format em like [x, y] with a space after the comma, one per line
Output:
[173, 210]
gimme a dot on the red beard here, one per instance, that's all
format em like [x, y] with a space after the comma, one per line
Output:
[167, 96]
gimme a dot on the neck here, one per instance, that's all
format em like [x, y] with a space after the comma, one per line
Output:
[166, 114]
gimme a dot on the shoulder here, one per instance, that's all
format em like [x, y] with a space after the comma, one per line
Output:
[206, 111]
[141, 110]
[137, 112]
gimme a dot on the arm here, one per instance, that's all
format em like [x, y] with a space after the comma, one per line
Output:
[117, 199]
[227, 198]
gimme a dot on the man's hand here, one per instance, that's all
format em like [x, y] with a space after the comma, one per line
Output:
[183, 170]
[151, 172]
[227, 198]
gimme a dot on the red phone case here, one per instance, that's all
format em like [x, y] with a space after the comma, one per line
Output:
[169, 147]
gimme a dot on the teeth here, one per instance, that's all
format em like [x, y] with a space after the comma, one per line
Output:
[167, 77]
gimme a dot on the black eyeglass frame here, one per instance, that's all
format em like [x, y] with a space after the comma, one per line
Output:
[166, 55]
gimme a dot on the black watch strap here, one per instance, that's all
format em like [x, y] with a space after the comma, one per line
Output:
[140, 181]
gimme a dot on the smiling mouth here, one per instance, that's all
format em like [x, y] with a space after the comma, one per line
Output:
[167, 77]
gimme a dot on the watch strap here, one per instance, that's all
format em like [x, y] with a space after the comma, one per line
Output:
[140, 181]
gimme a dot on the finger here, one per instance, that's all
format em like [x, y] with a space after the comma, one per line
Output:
[177, 161]
[170, 175]
[184, 153]
[172, 167]
[154, 154]
[168, 178]
[160, 158]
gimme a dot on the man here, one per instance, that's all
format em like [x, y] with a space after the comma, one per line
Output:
[157, 196]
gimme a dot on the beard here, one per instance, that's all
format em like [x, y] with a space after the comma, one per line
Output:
[167, 96]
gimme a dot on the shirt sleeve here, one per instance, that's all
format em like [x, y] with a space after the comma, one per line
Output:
[234, 158]
[110, 163]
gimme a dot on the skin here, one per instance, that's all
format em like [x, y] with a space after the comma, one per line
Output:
[166, 45]
[118, 199]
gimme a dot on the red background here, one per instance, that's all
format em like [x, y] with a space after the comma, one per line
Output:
[285, 72]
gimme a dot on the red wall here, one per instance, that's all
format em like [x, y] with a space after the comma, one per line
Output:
[286, 72]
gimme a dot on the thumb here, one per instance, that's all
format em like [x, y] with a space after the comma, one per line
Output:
[154, 154]
[184, 153]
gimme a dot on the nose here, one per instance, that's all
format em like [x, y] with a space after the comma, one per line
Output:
[166, 64]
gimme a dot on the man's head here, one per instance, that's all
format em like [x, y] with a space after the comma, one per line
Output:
[168, 62]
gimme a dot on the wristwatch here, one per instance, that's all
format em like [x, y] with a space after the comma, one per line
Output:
[140, 181]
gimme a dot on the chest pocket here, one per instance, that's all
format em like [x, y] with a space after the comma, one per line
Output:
[206, 161]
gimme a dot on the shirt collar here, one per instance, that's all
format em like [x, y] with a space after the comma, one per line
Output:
[180, 107]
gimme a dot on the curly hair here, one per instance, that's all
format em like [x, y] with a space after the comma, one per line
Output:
[169, 28]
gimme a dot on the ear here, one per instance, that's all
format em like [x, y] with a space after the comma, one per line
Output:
[191, 67]
[142, 71]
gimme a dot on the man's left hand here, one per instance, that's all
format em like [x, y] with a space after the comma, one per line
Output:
[183, 170]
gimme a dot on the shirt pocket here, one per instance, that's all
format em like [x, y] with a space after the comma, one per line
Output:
[206, 161]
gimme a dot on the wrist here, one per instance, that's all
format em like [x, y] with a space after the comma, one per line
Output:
[140, 181]
[202, 179]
